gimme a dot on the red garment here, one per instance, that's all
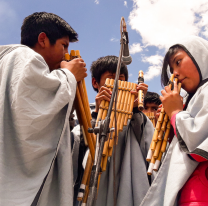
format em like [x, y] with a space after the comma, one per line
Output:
[195, 190]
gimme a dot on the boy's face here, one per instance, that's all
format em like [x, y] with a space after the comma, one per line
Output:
[104, 76]
[54, 54]
[150, 107]
[185, 70]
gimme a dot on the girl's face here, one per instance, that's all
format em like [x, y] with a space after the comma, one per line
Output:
[185, 70]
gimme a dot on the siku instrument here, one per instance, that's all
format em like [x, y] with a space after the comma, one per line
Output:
[124, 108]
[160, 137]
[82, 107]
[151, 116]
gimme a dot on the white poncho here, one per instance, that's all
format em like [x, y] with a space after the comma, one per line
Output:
[192, 133]
[35, 145]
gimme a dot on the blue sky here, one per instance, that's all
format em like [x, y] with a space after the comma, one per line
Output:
[153, 25]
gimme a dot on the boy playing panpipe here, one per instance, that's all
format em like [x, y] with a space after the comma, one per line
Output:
[133, 142]
[183, 176]
[151, 103]
[37, 92]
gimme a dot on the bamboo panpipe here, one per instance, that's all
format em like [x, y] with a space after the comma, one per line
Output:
[125, 103]
[141, 92]
[151, 116]
[158, 144]
[82, 107]
[124, 110]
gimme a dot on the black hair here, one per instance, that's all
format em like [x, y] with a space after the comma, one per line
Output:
[152, 97]
[164, 75]
[107, 63]
[51, 24]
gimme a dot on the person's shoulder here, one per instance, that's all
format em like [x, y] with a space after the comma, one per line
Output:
[19, 50]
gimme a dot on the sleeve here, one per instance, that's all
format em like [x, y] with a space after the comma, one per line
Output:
[191, 126]
[196, 157]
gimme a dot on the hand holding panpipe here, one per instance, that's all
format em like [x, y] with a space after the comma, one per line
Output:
[82, 107]
[159, 140]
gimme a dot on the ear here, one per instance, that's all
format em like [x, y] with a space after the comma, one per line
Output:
[94, 83]
[43, 39]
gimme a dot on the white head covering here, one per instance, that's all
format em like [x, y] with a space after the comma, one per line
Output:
[191, 125]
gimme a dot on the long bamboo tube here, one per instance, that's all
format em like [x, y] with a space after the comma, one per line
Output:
[156, 151]
[141, 92]
[82, 107]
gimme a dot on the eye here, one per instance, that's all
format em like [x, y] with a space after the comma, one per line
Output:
[65, 45]
[178, 62]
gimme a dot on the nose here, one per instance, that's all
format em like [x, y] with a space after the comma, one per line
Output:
[66, 50]
[176, 73]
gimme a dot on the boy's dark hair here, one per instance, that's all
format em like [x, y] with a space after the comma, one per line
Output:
[152, 97]
[107, 63]
[164, 75]
[51, 24]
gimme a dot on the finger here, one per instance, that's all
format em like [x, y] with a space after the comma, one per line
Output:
[103, 88]
[140, 87]
[167, 89]
[80, 59]
[175, 87]
[103, 97]
[104, 93]
[164, 93]
[142, 84]
[161, 97]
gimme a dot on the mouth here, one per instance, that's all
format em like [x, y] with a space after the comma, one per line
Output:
[181, 80]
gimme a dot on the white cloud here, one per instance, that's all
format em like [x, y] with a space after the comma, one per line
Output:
[155, 69]
[154, 60]
[162, 22]
[125, 3]
[135, 48]
[97, 1]
[130, 75]
[114, 39]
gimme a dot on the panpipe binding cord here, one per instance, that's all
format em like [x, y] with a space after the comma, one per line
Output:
[160, 137]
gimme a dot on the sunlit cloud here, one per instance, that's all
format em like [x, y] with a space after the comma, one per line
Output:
[155, 69]
[97, 1]
[114, 39]
[162, 23]
[125, 3]
[135, 48]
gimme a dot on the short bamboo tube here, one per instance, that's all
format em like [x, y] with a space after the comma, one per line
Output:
[151, 116]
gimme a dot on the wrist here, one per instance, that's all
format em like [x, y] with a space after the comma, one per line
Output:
[174, 112]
